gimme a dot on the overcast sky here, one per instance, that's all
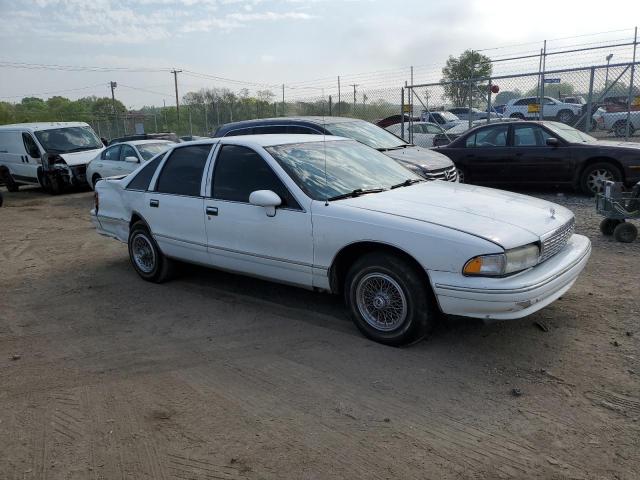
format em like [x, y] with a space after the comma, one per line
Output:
[302, 43]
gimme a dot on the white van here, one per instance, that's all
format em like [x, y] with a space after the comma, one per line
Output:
[52, 154]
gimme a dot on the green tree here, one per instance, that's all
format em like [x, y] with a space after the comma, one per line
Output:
[506, 95]
[459, 71]
[555, 90]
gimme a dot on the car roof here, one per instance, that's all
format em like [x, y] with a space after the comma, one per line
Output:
[267, 140]
[35, 126]
[145, 142]
[319, 121]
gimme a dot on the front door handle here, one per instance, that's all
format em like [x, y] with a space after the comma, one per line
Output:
[212, 211]
[154, 203]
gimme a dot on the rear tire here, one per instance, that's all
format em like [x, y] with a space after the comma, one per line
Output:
[519, 116]
[620, 129]
[147, 259]
[389, 300]
[625, 232]
[608, 225]
[566, 116]
[596, 173]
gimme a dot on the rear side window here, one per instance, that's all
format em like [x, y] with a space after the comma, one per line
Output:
[489, 137]
[240, 171]
[144, 176]
[182, 172]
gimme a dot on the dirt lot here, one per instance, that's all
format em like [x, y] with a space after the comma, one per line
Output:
[216, 376]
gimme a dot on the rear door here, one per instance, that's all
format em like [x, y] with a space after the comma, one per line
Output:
[533, 161]
[174, 207]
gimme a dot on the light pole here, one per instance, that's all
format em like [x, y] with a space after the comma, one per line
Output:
[606, 76]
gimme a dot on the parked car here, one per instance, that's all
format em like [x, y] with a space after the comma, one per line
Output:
[393, 119]
[543, 153]
[172, 137]
[192, 138]
[335, 215]
[426, 163]
[123, 158]
[445, 119]
[616, 122]
[422, 133]
[463, 113]
[498, 108]
[53, 155]
[620, 103]
[527, 108]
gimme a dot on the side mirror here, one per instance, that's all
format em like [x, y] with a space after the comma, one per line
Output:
[552, 142]
[131, 159]
[267, 199]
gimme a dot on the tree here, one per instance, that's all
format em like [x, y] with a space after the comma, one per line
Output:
[555, 90]
[459, 71]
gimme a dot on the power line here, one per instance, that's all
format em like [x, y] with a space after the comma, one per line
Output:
[56, 91]
[77, 68]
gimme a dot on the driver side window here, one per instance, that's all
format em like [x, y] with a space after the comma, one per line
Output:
[240, 171]
[489, 137]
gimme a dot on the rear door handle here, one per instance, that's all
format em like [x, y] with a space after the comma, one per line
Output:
[212, 211]
[154, 203]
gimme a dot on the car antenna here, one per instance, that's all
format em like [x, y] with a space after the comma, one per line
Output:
[324, 146]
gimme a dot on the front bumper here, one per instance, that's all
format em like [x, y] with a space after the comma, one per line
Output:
[515, 296]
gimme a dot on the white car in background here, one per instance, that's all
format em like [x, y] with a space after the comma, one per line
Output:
[422, 133]
[332, 214]
[123, 158]
[527, 108]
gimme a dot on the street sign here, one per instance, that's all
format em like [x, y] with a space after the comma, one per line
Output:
[533, 108]
[551, 80]
[406, 108]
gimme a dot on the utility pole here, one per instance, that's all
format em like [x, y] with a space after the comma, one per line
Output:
[338, 95]
[283, 108]
[354, 85]
[113, 85]
[175, 82]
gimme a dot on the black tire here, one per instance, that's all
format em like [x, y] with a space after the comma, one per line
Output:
[517, 115]
[593, 175]
[608, 225]
[566, 116]
[96, 177]
[462, 175]
[406, 288]
[159, 268]
[620, 129]
[625, 232]
[8, 181]
[51, 184]
[1, 199]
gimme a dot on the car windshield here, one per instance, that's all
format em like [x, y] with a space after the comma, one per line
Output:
[463, 127]
[448, 116]
[569, 134]
[68, 139]
[328, 169]
[367, 133]
[150, 150]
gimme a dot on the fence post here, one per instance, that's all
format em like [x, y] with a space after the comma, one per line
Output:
[402, 112]
[206, 121]
[587, 120]
[330, 105]
[190, 124]
[630, 96]
[489, 101]
[155, 121]
[470, 93]
[544, 66]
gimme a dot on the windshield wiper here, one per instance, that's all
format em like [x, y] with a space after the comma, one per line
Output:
[406, 183]
[80, 149]
[398, 147]
[356, 193]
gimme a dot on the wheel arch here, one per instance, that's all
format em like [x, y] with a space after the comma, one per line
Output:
[137, 217]
[350, 253]
[600, 159]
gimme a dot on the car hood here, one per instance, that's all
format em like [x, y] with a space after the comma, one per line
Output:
[507, 219]
[420, 156]
[80, 158]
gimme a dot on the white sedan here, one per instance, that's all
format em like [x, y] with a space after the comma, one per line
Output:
[422, 133]
[123, 158]
[338, 216]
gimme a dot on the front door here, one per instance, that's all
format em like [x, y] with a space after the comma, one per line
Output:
[241, 237]
[533, 161]
[174, 209]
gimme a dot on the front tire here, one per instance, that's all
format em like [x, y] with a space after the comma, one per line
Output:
[389, 300]
[9, 182]
[147, 259]
[593, 176]
[566, 116]
[608, 225]
[620, 129]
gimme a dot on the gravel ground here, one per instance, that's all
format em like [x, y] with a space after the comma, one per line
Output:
[217, 376]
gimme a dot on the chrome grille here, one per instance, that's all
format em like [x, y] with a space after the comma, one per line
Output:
[555, 241]
[449, 174]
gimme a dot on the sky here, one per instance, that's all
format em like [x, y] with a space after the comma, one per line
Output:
[262, 44]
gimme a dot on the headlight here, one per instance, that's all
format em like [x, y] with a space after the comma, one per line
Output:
[500, 264]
